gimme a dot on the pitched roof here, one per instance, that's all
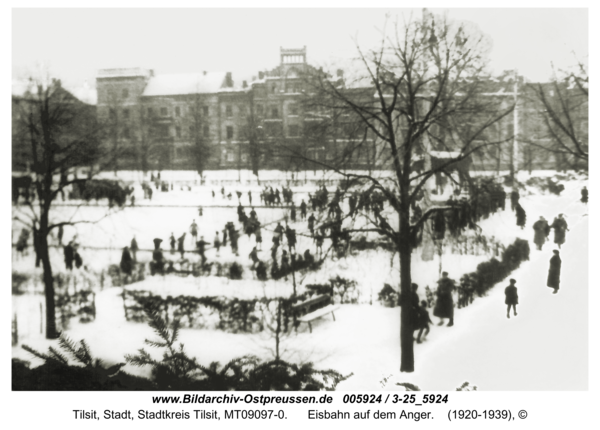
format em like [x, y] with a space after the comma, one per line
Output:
[185, 83]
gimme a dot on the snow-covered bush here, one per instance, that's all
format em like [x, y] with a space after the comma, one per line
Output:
[344, 290]
[388, 296]
[235, 271]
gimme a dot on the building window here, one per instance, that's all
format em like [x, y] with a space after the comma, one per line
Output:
[293, 110]
[229, 132]
[112, 113]
[177, 111]
[163, 130]
[125, 92]
[230, 156]
[274, 88]
[205, 110]
[163, 111]
[259, 109]
[126, 133]
[178, 131]
[228, 111]
[244, 158]
[191, 130]
[206, 131]
[126, 113]
[149, 111]
[274, 112]
[293, 130]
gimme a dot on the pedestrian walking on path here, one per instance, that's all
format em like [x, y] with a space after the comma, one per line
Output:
[512, 298]
[584, 195]
[541, 229]
[521, 216]
[423, 322]
[560, 228]
[444, 305]
[554, 272]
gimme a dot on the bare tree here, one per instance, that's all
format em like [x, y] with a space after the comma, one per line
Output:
[420, 94]
[198, 125]
[563, 105]
[62, 134]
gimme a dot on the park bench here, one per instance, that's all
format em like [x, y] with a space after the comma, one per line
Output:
[313, 308]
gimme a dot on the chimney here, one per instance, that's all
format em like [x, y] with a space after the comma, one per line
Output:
[203, 72]
[244, 84]
[340, 73]
[228, 80]
[261, 75]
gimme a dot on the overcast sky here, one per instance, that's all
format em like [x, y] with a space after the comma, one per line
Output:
[75, 43]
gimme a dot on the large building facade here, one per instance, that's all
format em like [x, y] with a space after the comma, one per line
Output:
[208, 121]
[181, 121]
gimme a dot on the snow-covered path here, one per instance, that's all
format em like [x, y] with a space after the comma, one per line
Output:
[544, 348]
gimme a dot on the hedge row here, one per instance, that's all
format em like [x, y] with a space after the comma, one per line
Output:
[223, 313]
[487, 274]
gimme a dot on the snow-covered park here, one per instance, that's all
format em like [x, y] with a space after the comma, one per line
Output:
[543, 348]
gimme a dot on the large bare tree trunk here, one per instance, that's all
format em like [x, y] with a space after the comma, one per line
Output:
[407, 357]
[51, 332]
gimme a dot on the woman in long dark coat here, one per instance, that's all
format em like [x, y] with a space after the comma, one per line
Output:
[554, 272]
[126, 262]
[560, 227]
[444, 305]
[521, 215]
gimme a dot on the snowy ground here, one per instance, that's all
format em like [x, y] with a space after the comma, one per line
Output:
[528, 352]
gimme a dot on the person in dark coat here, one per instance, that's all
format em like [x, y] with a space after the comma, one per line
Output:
[158, 261]
[554, 272]
[303, 209]
[224, 236]
[540, 227]
[254, 257]
[134, 248]
[444, 305]
[521, 216]
[172, 242]
[423, 322]
[560, 228]
[233, 237]
[412, 302]
[584, 195]
[512, 298]
[126, 262]
[69, 255]
[78, 260]
[194, 231]
[201, 247]
[293, 213]
[514, 199]
[217, 242]
[180, 243]
[311, 224]
[258, 235]
[290, 235]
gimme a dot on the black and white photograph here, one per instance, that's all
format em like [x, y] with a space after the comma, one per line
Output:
[262, 199]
